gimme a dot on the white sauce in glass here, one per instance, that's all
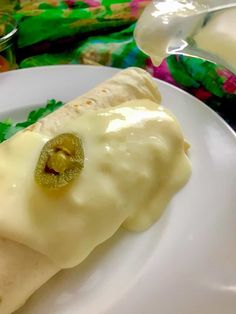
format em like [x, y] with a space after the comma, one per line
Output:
[167, 26]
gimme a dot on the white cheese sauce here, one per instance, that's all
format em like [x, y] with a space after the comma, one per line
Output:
[166, 25]
[135, 161]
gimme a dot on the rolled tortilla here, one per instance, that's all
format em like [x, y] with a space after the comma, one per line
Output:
[23, 270]
[130, 84]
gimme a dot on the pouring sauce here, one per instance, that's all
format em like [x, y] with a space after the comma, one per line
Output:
[171, 26]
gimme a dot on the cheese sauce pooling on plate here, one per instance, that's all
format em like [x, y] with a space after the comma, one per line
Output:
[135, 161]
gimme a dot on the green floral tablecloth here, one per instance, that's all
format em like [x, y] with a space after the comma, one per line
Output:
[100, 32]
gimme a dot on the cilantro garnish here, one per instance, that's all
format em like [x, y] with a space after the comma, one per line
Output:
[9, 127]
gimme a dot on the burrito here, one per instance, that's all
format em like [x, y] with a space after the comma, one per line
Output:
[110, 158]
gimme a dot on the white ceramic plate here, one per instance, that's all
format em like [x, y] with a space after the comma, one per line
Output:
[184, 264]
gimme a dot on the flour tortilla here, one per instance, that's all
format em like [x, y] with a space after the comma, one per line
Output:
[23, 270]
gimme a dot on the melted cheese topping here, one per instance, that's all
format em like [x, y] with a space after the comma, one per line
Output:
[134, 162]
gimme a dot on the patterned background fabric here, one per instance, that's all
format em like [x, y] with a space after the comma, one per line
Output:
[100, 32]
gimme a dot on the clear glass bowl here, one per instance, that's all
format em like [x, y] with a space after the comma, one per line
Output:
[8, 32]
